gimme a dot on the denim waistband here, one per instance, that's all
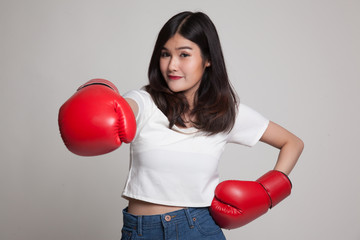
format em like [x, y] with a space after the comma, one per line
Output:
[148, 222]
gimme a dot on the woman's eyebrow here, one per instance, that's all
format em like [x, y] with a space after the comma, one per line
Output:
[184, 47]
[178, 48]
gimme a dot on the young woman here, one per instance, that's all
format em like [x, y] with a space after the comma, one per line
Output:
[184, 118]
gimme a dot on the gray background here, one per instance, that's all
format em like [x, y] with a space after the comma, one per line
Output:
[296, 62]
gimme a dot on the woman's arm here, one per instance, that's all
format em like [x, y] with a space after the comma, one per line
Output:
[290, 146]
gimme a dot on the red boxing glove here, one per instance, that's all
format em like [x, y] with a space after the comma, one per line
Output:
[237, 203]
[96, 119]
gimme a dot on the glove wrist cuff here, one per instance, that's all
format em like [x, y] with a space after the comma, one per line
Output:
[277, 185]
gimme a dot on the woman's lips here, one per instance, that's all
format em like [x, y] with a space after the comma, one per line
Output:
[172, 77]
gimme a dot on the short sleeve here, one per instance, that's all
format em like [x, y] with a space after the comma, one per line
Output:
[144, 102]
[248, 128]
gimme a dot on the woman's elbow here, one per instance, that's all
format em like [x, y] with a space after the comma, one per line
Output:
[299, 144]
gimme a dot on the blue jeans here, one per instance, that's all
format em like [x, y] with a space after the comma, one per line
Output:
[185, 224]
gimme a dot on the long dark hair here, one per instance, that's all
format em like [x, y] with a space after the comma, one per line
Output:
[215, 101]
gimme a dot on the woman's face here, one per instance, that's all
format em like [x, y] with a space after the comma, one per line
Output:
[182, 65]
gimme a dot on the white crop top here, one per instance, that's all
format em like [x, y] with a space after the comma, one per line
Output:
[179, 167]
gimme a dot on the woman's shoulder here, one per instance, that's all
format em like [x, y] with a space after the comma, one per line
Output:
[143, 100]
[140, 96]
[249, 126]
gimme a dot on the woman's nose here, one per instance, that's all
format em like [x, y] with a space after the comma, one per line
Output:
[173, 64]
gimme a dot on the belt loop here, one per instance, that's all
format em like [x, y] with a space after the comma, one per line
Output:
[188, 216]
[139, 227]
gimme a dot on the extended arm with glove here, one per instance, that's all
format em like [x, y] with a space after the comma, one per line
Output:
[237, 203]
[96, 119]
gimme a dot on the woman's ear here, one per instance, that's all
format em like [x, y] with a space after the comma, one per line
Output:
[208, 64]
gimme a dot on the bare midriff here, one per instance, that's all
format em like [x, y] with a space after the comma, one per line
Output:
[141, 208]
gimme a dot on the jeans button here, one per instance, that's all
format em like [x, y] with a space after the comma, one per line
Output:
[167, 218]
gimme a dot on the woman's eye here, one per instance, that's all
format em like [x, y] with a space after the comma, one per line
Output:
[184, 55]
[165, 54]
